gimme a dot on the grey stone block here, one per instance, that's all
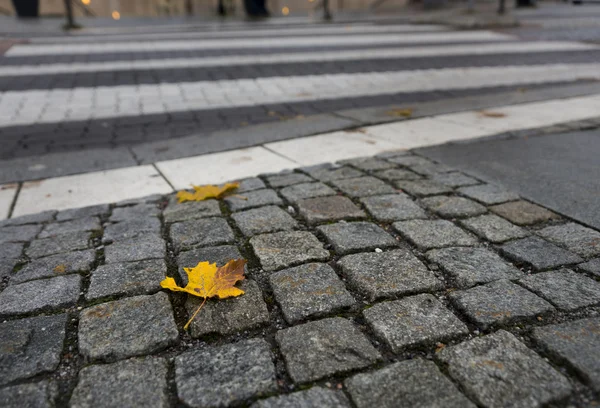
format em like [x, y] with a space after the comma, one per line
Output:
[419, 320]
[19, 233]
[453, 207]
[39, 395]
[470, 266]
[204, 232]
[308, 291]
[39, 218]
[422, 188]
[191, 210]
[11, 250]
[30, 346]
[150, 199]
[263, 219]
[69, 227]
[576, 238]
[84, 212]
[592, 267]
[128, 327]
[219, 255]
[565, 289]
[326, 347]
[65, 243]
[44, 294]
[149, 246]
[407, 384]
[494, 228]
[539, 253]
[251, 199]
[454, 179]
[225, 375]
[135, 211]
[324, 209]
[130, 278]
[284, 249]
[349, 237]
[393, 207]
[523, 212]
[410, 160]
[306, 190]
[497, 371]
[329, 173]
[396, 174]
[56, 265]
[130, 383]
[577, 343]
[250, 184]
[368, 163]
[386, 274]
[228, 316]
[314, 397]
[284, 180]
[499, 303]
[488, 194]
[7, 266]
[428, 234]
[363, 186]
[131, 230]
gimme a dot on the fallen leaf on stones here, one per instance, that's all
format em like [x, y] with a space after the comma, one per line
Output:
[206, 281]
[205, 192]
[61, 268]
[490, 114]
[407, 113]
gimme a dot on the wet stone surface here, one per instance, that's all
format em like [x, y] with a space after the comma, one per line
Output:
[84, 212]
[498, 370]
[471, 266]
[39, 395]
[565, 289]
[422, 188]
[539, 253]
[325, 209]
[177, 212]
[523, 212]
[393, 207]
[251, 199]
[283, 249]
[149, 246]
[498, 303]
[129, 327]
[219, 376]
[38, 218]
[21, 233]
[453, 207]
[55, 265]
[576, 342]
[134, 382]
[69, 227]
[592, 267]
[408, 384]
[488, 194]
[494, 228]
[386, 274]
[346, 237]
[65, 243]
[413, 321]
[454, 179]
[30, 346]
[204, 232]
[334, 173]
[428, 234]
[284, 180]
[576, 238]
[396, 174]
[135, 211]
[132, 229]
[318, 349]
[309, 290]
[229, 316]
[314, 397]
[306, 190]
[363, 187]
[264, 219]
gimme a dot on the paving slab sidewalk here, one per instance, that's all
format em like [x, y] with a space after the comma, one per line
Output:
[364, 289]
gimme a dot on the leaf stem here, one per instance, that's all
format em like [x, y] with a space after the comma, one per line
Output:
[194, 315]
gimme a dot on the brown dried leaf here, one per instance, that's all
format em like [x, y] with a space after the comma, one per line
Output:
[491, 114]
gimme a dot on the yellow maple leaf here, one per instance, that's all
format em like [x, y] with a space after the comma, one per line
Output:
[206, 280]
[206, 191]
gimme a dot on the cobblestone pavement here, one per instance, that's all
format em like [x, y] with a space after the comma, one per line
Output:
[385, 281]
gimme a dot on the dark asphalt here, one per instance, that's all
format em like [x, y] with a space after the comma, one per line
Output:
[560, 171]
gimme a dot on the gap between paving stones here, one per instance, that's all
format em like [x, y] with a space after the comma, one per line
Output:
[71, 365]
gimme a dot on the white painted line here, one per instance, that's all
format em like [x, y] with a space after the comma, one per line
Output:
[331, 147]
[259, 59]
[7, 195]
[50, 106]
[215, 33]
[89, 189]
[220, 167]
[319, 41]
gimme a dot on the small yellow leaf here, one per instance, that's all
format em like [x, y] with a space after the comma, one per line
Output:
[407, 113]
[61, 268]
[205, 192]
[490, 114]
